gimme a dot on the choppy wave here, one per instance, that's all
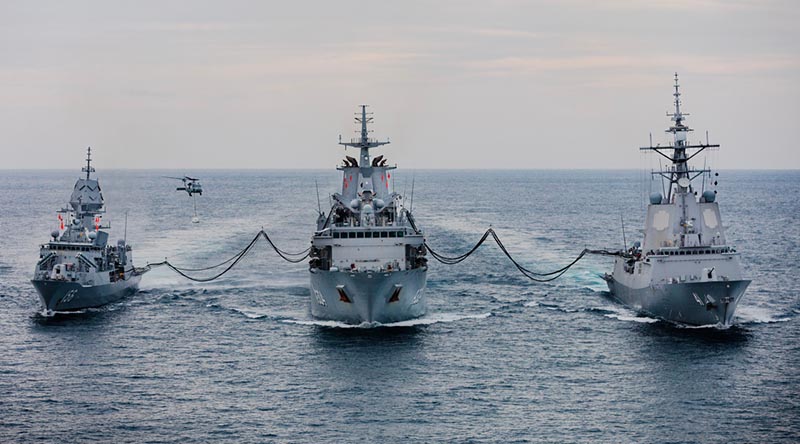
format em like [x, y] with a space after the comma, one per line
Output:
[250, 313]
[618, 313]
[550, 306]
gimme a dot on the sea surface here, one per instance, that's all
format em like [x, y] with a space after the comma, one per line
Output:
[498, 358]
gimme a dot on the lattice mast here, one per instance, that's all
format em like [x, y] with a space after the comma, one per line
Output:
[88, 169]
[679, 156]
[364, 142]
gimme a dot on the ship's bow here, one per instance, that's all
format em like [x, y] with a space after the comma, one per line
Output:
[70, 296]
[691, 303]
[355, 298]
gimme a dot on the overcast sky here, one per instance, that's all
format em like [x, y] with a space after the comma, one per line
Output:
[453, 84]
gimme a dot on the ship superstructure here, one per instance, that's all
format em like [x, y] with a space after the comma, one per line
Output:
[368, 259]
[77, 268]
[685, 270]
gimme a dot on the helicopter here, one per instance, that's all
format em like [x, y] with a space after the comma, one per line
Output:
[190, 184]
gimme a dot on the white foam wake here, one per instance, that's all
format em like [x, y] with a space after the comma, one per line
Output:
[759, 315]
[252, 314]
[624, 314]
[425, 320]
[552, 307]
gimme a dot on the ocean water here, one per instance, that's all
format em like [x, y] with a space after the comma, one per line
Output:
[497, 359]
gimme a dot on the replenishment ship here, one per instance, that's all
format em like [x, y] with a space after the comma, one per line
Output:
[368, 259]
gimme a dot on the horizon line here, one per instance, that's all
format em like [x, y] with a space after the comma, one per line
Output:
[2, 169]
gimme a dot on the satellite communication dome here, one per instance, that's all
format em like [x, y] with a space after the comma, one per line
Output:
[709, 196]
[92, 235]
[54, 234]
[655, 198]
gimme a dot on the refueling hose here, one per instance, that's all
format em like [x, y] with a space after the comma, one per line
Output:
[232, 261]
[447, 260]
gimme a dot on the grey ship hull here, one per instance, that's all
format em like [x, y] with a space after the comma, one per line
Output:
[692, 303]
[71, 296]
[369, 295]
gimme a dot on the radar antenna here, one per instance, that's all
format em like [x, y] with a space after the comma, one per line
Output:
[364, 142]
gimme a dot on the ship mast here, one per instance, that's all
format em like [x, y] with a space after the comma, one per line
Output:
[87, 201]
[364, 143]
[679, 174]
[88, 168]
[679, 134]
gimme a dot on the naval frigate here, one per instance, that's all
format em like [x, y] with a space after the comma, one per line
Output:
[684, 271]
[77, 268]
[368, 259]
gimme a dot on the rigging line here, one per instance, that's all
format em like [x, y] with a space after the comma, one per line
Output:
[452, 260]
[456, 259]
[283, 252]
[301, 256]
[208, 279]
[560, 270]
[608, 253]
[213, 266]
[530, 274]
[548, 279]
[539, 277]
[231, 262]
[218, 275]
[224, 262]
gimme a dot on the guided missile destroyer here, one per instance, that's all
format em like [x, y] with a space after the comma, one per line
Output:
[685, 271]
[77, 268]
[368, 259]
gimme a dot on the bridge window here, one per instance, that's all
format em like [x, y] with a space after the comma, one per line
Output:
[352, 235]
[392, 234]
[360, 235]
[384, 234]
